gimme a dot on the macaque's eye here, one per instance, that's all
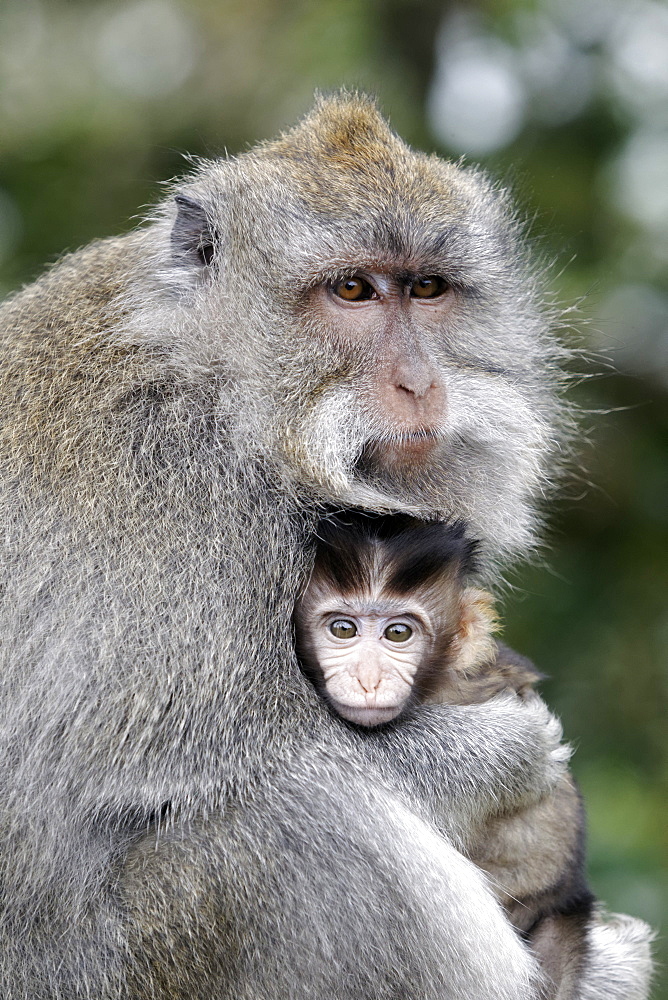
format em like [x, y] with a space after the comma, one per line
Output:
[343, 629]
[428, 288]
[354, 289]
[398, 632]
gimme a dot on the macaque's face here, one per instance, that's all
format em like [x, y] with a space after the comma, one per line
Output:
[368, 657]
[397, 316]
[386, 619]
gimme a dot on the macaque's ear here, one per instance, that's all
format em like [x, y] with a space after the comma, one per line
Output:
[473, 644]
[193, 236]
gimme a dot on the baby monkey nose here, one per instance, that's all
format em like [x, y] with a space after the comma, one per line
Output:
[369, 676]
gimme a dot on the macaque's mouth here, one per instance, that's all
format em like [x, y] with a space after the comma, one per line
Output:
[363, 716]
[405, 448]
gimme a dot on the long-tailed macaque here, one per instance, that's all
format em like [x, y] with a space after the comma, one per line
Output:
[387, 623]
[329, 318]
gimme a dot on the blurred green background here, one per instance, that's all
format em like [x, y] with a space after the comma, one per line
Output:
[567, 101]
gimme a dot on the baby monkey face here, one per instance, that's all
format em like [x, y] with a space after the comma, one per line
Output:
[387, 619]
[369, 657]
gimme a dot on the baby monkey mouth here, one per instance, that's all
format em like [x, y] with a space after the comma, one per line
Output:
[367, 715]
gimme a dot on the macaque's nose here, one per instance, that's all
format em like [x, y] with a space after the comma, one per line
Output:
[414, 377]
[416, 394]
[369, 676]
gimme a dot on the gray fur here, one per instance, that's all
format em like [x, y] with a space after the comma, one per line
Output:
[619, 959]
[179, 816]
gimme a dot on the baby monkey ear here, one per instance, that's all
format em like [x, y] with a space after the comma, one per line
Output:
[193, 235]
[473, 643]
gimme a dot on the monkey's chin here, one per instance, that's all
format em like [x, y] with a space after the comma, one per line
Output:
[366, 716]
[410, 451]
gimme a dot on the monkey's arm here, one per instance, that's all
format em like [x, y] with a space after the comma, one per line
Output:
[351, 809]
[363, 894]
[467, 763]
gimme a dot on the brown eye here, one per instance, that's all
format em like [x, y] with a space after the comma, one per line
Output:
[354, 289]
[428, 288]
[343, 629]
[398, 632]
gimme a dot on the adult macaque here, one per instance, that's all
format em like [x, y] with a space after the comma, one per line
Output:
[330, 317]
[388, 622]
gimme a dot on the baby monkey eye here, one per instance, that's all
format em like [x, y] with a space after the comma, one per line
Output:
[398, 632]
[343, 629]
[354, 289]
[428, 288]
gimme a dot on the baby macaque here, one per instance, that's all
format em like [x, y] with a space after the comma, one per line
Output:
[388, 622]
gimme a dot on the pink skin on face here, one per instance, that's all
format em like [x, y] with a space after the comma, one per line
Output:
[368, 675]
[391, 317]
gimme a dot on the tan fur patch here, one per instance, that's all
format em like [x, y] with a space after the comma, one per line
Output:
[473, 643]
